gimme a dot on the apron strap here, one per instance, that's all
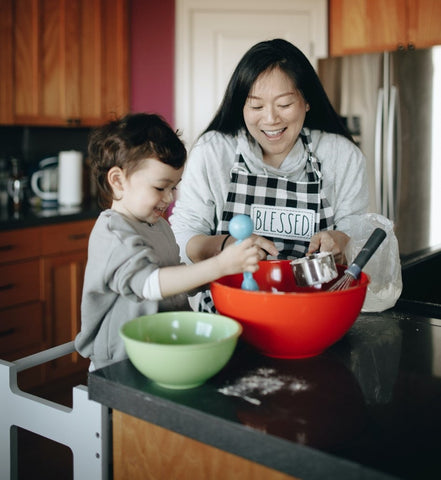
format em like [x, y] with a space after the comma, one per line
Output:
[313, 167]
[239, 165]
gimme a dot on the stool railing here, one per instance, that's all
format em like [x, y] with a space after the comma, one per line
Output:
[84, 428]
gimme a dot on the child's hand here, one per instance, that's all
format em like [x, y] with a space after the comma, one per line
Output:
[238, 258]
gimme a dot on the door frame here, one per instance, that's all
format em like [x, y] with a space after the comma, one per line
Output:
[186, 9]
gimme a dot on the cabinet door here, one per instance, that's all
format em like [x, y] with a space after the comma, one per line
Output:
[63, 283]
[138, 454]
[65, 237]
[104, 82]
[14, 245]
[424, 23]
[358, 26]
[19, 283]
[39, 77]
[71, 61]
[6, 62]
[23, 333]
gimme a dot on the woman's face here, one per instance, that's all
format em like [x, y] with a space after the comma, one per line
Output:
[274, 113]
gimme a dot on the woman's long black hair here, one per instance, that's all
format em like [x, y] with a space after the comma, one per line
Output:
[265, 56]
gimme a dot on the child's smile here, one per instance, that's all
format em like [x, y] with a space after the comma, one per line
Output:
[146, 194]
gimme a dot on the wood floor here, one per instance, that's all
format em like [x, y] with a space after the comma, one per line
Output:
[38, 457]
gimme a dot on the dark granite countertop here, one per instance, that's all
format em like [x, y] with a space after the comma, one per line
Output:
[420, 256]
[367, 408]
[35, 217]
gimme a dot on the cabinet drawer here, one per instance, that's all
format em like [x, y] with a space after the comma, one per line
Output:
[19, 283]
[19, 244]
[66, 237]
[20, 329]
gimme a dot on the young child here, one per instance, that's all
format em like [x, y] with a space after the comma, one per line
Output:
[133, 265]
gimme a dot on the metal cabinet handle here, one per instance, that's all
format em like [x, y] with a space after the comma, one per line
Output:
[8, 332]
[73, 121]
[6, 286]
[78, 236]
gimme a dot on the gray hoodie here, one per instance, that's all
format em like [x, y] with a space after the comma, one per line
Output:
[204, 187]
[121, 282]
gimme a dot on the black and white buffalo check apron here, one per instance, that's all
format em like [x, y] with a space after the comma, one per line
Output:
[288, 213]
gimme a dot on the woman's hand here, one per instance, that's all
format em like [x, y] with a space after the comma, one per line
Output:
[264, 246]
[332, 241]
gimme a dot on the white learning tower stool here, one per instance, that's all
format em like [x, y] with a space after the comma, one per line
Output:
[84, 427]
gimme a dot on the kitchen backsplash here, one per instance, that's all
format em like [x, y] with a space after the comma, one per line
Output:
[32, 144]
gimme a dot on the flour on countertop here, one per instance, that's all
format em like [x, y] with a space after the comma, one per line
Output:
[262, 382]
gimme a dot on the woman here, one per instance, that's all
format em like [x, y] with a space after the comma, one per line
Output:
[277, 151]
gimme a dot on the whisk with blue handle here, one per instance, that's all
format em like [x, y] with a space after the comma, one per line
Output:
[241, 227]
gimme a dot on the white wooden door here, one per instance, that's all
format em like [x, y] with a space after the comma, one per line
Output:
[212, 36]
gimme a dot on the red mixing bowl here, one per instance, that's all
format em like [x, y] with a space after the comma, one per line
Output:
[285, 320]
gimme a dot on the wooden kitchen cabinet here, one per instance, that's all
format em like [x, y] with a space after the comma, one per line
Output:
[63, 277]
[69, 61]
[41, 279]
[6, 63]
[145, 451]
[22, 326]
[361, 26]
[64, 257]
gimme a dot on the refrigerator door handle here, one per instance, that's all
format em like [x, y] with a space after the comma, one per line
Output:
[378, 150]
[393, 154]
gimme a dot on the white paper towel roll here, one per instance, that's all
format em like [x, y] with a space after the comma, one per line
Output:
[70, 178]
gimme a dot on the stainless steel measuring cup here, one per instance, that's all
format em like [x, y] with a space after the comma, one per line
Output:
[314, 269]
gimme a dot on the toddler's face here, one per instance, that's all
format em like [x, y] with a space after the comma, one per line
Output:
[148, 191]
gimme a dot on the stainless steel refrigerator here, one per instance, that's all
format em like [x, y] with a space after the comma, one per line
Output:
[392, 104]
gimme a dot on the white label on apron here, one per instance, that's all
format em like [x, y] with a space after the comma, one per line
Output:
[283, 222]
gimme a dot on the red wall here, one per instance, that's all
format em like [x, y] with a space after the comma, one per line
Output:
[152, 40]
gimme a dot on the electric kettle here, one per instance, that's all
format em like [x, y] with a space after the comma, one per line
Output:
[44, 182]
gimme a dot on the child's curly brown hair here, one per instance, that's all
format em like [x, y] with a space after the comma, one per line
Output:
[124, 142]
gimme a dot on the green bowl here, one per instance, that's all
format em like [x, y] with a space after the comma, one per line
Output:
[180, 349]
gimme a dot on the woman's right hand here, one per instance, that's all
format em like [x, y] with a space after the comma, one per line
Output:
[265, 247]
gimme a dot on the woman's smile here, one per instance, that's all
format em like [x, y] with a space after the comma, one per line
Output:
[274, 133]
